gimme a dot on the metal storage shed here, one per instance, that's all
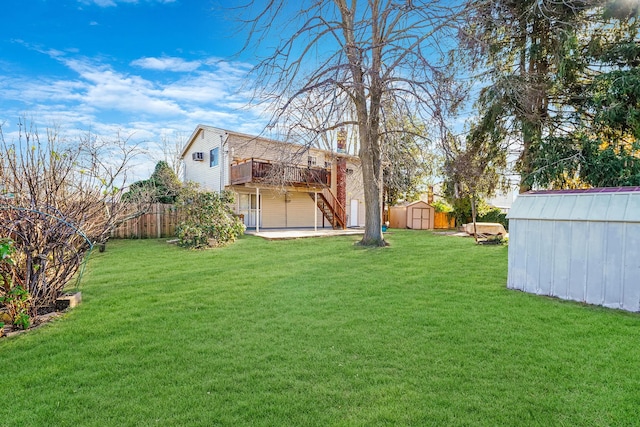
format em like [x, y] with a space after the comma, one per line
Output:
[581, 245]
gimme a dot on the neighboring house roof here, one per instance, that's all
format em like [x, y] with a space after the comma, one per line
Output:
[201, 127]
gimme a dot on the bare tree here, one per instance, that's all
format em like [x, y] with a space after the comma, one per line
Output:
[360, 56]
[318, 122]
[170, 150]
[410, 162]
[473, 168]
[57, 199]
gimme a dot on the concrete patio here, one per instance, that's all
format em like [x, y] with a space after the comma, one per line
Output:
[299, 233]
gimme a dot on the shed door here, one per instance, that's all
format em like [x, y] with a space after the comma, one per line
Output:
[420, 219]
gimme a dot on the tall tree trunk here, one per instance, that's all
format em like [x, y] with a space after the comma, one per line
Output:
[536, 95]
[368, 107]
[473, 216]
[372, 177]
[530, 132]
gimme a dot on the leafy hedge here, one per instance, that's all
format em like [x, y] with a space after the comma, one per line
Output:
[462, 213]
[208, 219]
[495, 215]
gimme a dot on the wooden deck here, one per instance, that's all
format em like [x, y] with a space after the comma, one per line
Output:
[258, 171]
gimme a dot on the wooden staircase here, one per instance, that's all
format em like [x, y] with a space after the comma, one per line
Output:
[332, 210]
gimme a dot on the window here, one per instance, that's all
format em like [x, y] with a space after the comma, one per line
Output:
[311, 161]
[214, 158]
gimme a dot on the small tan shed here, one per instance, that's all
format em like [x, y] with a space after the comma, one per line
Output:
[420, 216]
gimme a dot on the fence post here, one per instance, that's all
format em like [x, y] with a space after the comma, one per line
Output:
[158, 224]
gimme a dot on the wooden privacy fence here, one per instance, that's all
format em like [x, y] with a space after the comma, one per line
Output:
[160, 221]
[398, 218]
[441, 220]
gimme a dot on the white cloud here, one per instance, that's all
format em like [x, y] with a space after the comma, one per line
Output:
[206, 88]
[134, 102]
[166, 64]
[106, 89]
[112, 3]
[101, 3]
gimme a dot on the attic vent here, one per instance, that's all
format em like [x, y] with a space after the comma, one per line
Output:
[198, 156]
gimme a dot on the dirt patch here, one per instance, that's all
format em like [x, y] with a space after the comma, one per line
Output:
[10, 330]
[45, 314]
[455, 233]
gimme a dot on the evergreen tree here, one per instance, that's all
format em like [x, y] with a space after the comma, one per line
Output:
[519, 46]
[601, 87]
[162, 187]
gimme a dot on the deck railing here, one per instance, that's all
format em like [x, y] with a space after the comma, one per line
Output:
[277, 173]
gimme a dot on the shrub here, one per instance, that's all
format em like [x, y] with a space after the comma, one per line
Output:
[495, 215]
[208, 219]
[462, 210]
[15, 300]
[58, 197]
[441, 206]
[485, 213]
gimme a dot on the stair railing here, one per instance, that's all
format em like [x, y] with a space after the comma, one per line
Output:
[339, 211]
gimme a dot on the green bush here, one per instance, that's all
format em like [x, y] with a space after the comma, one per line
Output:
[485, 213]
[14, 299]
[462, 210]
[442, 206]
[495, 215]
[208, 219]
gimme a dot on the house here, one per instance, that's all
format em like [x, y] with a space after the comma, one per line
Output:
[277, 184]
[503, 200]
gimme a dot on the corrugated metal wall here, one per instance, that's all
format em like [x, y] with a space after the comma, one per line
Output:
[581, 246]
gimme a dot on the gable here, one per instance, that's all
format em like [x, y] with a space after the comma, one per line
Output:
[242, 146]
[419, 204]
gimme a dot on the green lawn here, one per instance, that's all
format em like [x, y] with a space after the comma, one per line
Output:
[319, 332]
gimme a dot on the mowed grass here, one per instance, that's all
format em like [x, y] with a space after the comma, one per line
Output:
[319, 332]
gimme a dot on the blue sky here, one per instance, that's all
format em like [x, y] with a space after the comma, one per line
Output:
[146, 68]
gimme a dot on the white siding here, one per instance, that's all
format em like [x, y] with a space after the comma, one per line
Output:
[355, 191]
[301, 210]
[581, 246]
[200, 171]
